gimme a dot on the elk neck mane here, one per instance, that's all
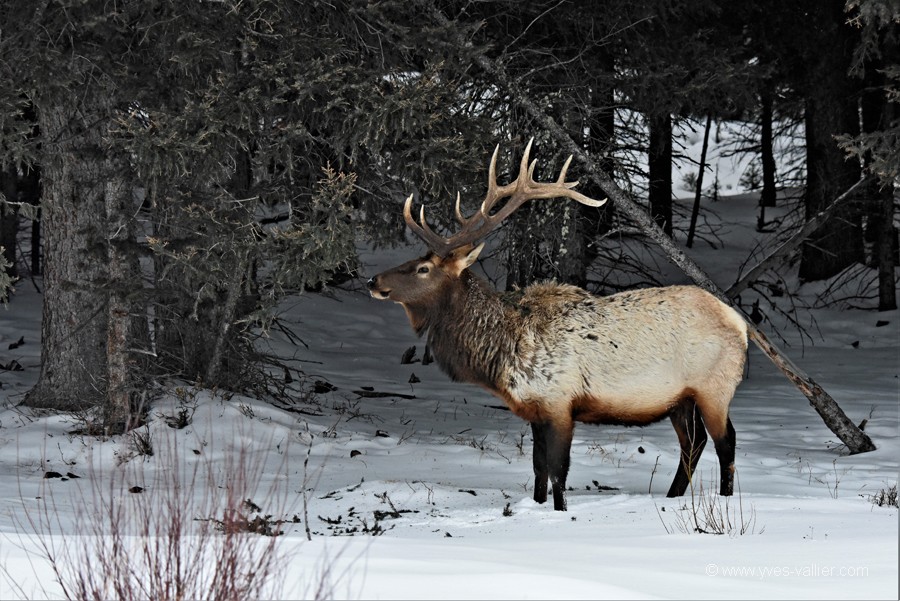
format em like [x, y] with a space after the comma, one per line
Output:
[471, 330]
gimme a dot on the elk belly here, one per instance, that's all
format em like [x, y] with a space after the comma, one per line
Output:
[595, 386]
[626, 412]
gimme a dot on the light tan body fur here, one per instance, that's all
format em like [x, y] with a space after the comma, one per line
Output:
[626, 358]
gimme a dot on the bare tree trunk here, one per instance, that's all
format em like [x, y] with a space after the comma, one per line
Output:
[767, 151]
[695, 211]
[878, 112]
[886, 248]
[73, 371]
[660, 171]
[229, 312]
[91, 321]
[9, 216]
[856, 440]
[832, 107]
[118, 385]
[127, 327]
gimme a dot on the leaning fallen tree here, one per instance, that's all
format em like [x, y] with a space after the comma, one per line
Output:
[831, 413]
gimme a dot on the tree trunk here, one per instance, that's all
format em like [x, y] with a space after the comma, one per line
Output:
[570, 257]
[660, 171]
[75, 311]
[698, 193]
[601, 131]
[229, 316]
[9, 217]
[30, 192]
[520, 243]
[767, 150]
[92, 318]
[877, 114]
[886, 249]
[856, 440]
[127, 328]
[831, 108]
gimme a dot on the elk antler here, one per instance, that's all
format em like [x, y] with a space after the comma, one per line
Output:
[482, 222]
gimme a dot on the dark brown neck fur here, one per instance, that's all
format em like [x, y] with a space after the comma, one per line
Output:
[471, 331]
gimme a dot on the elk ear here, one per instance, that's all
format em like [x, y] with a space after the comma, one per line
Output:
[472, 256]
[463, 258]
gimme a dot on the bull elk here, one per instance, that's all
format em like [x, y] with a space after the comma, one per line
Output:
[557, 354]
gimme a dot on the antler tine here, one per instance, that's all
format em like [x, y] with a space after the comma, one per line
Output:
[459, 216]
[491, 196]
[437, 243]
[480, 224]
[530, 178]
[526, 158]
[496, 192]
[561, 180]
[527, 188]
[423, 231]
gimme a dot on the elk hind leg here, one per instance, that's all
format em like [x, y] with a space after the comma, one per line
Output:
[725, 444]
[692, 438]
[718, 424]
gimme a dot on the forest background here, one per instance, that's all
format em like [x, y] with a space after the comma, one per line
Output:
[184, 166]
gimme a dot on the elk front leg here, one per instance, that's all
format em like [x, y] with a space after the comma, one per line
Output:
[552, 443]
[559, 445]
[539, 459]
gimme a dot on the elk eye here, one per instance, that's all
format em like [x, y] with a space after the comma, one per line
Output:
[424, 269]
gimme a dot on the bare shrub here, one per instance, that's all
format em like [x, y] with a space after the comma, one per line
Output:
[886, 497]
[710, 513]
[163, 539]
[142, 441]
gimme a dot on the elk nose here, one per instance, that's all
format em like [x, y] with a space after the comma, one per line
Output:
[371, 283]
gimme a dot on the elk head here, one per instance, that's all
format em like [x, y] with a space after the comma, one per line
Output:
[421, 280]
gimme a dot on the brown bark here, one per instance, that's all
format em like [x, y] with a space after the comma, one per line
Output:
[767, 151]
[127, 328]
[9, 217]
[93, 317]
[698, 193]
[831, 108]
[75, 311]
[229, 315]
[878, 113]
[660, 171]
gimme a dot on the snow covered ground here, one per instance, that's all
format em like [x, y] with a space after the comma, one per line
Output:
[423, 490]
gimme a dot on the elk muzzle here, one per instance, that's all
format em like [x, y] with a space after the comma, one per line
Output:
[376, 290]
